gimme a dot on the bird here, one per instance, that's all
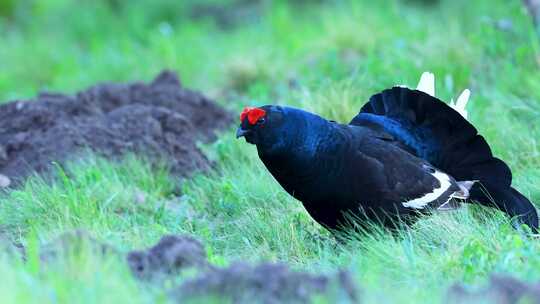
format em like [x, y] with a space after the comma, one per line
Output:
[406, 154]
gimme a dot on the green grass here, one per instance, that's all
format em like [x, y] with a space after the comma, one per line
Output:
[328, 58]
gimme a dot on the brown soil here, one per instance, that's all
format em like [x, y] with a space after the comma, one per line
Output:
[170, 255]
[265, 283]
[238, 283]
[160, 119]
[500, 290]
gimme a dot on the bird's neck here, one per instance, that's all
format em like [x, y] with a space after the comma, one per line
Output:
[314, 146]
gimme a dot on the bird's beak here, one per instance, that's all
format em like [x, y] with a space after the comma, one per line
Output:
[241, 132]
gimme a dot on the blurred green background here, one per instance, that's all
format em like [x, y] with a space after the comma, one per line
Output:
[66, 45]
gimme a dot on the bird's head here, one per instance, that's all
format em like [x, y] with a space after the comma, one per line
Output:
[277, 129]
[262, 126]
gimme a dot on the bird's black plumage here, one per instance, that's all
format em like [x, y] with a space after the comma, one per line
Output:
[400, 157]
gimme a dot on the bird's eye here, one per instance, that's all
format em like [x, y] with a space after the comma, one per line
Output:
[261, 121]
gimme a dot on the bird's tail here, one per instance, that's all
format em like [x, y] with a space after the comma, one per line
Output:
[427, 85]
[438, 133]
[508, 200]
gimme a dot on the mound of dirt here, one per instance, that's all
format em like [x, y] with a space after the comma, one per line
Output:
[238, 283]
[500, 290]
[265, 283]
[160, 119]
[170, 255]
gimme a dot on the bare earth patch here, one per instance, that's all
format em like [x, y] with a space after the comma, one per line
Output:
[161, 120]
[238, 283]
[266, 283]
[170, 255]
[500, 290]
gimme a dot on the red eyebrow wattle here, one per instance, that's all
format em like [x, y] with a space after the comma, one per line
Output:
[252, 114]
[245, 113]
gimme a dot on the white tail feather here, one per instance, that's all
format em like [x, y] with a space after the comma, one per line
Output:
[461, 103]
[427, 83]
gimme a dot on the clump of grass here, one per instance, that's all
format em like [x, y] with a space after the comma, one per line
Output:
[93, 194]
[80, 276]
[242, 73]
[337, 101]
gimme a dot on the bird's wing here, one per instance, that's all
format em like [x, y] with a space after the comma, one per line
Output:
[435, 132]
[392, 176]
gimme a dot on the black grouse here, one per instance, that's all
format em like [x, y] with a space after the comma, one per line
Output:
[405, 154]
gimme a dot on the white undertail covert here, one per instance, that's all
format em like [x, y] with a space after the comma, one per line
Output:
[422, 202]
